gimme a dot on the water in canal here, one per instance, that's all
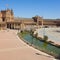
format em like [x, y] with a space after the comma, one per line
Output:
[41, 45]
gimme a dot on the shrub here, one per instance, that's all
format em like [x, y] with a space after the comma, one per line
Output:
[21, 31]
[45, 38]
[36, 34]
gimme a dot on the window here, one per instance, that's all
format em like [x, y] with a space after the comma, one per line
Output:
[18, 24]
[3, 19]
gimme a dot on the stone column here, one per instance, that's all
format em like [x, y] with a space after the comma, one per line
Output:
[42, 23]
[14, 25]
[22, 25]
[38, 18]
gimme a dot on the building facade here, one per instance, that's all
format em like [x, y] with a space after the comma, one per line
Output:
[7, 20]
[5, 17]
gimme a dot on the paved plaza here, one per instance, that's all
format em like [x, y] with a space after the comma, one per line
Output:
[13, 48]
[52, 33]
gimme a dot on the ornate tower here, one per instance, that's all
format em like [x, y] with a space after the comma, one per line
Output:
[38, 20]
[0, 17]
[9, 15]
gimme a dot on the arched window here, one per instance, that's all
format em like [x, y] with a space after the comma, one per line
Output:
[3, 19]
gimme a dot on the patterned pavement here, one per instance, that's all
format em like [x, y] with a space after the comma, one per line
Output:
[13, 48]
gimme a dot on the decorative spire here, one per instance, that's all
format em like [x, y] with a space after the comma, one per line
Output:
[11, 11]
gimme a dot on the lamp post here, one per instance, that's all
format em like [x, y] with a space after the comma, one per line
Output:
[42, 22]
[44, 31]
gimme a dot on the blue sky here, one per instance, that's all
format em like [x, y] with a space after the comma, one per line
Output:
[30, 8]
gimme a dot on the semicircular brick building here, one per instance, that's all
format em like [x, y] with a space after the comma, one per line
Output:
[7, 20]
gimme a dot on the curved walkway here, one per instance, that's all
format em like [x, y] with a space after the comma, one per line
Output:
[13, 48]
